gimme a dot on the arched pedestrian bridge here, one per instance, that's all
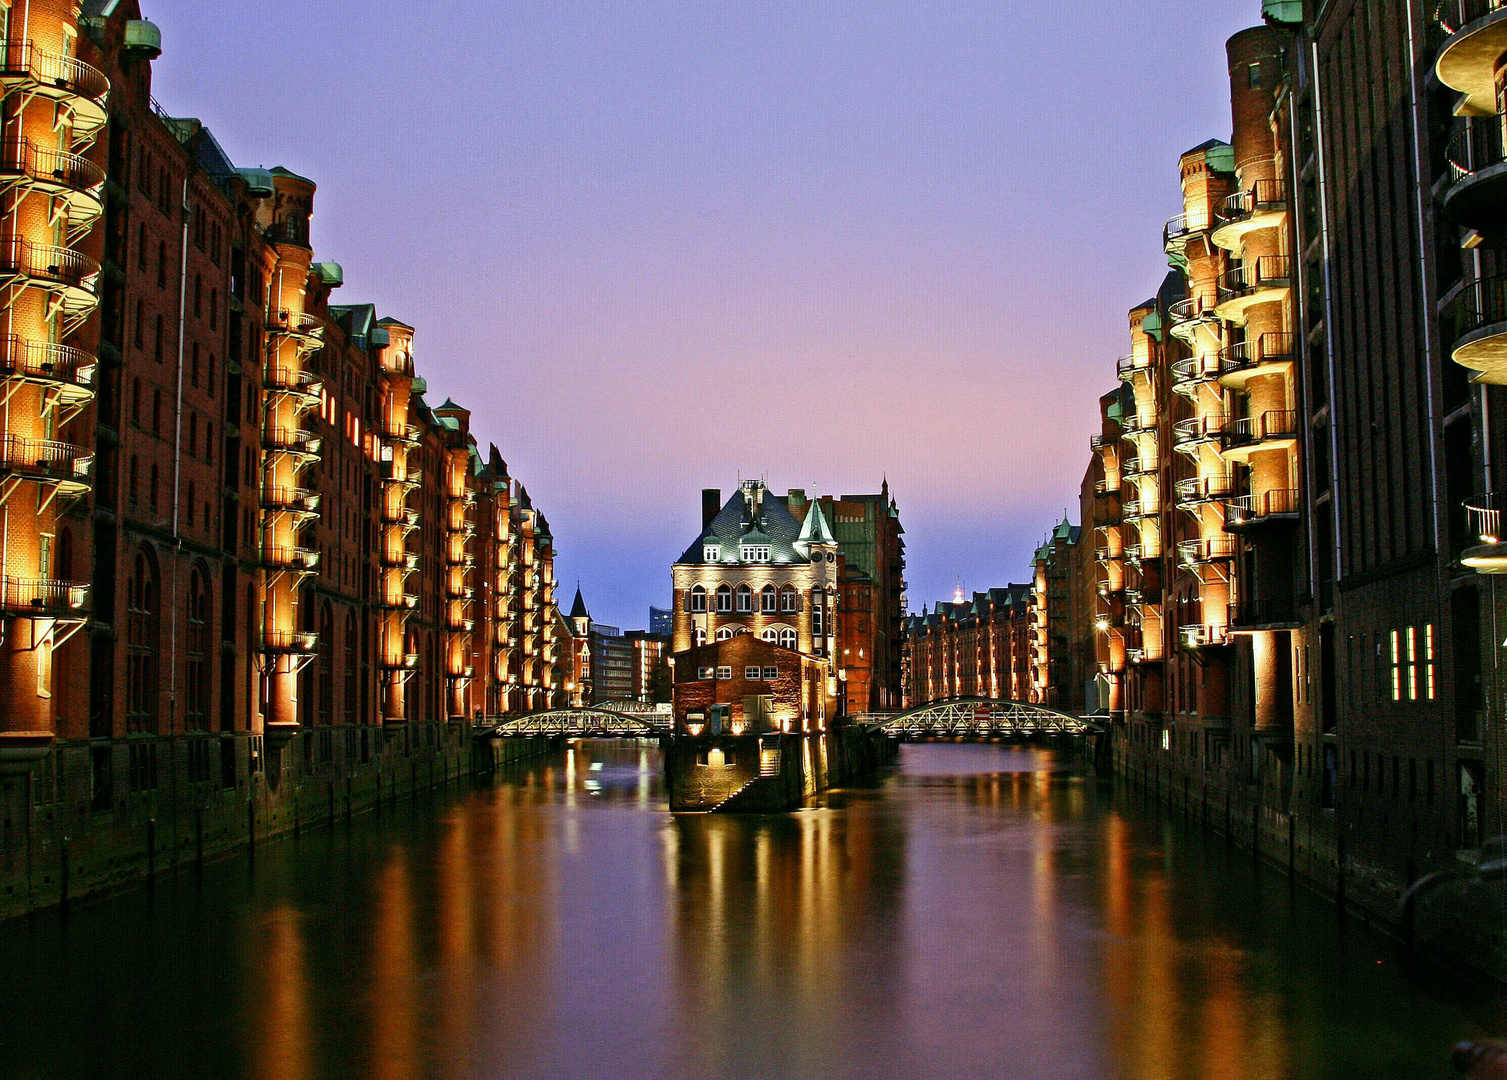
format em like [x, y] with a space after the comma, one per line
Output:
[609, 720]
[979, 718]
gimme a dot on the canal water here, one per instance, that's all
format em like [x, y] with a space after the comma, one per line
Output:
[978, 911]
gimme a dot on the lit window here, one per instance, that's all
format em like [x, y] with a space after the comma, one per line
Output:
[698, 600]
[771, 673]
[1396, 668]
[706, 673]
[724, 599]
[768, 600]
[745, 600]
[789, 599]
[724, 633]
[751, 673]
[754, 553]
[1428, 661]
[1166, 739]
[769, 633]
[788, 638]
[725, 672]
[1412, 636]
[711, 553]
[700, 637]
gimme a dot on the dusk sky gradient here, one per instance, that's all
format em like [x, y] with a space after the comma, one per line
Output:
[655, 245]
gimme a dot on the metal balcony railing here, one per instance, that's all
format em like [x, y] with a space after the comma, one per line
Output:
[45, 459]
[24, 61]
[1267, 272]
[297, 500]
[1103, 489]
[290, 230]
[287, 381]
[1206, 550]
[1251, 430]
[289, 641]
[1263, 196]
[50, 166]
[1480, 303]
[1247, 509]
[1132, 365]
[1203, 635]
[1475, 144]
[1250, 613]
[291, 440]
[1267, 349]
[1192, 371]
[295, 323]
[1202, 489]
[48, 597]
[1456, 15]
[1181, 228]
[290, 557]
[1197, 430]
[48, 265]
[407, 434]
[43, 360]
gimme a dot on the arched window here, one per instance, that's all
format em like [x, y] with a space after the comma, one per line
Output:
[196, 707]
[768, 600]
[700, 637]
[698, 599]
[352, 669]
[745, 600]
[769, 633]
[790, 600]
[724, 599]
[141, 647]
[724, 633]
[324, 688]
[789, 639]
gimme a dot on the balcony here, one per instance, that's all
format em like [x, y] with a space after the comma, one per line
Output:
[1205, 635]
[403, 662]
[1267, 280]
[294, 441]
[1181, 230]
[1476, 195]
[1103, 490]
[47, 461]
[1264, 614]
[398, 602]
[303, 385]
[1467, 60]
[1192, 434]
[1264, 206]
[1132, 367]
[1137, 510]
[1209, 549]
[287, 557]
[1145, 653]
[399, 560]
[60, 174]
[408, 519]
[1268, 354]
[1275, 429]
[403, 434]
[1484, 513]
[295, 642]
[291, 500]
[70, 274]
[43, 598]
[1192, 372]
[304, 329]
[81, 89]
[1190, 314]
[410, 476]
[1139, 467]
[1194, 492]
[68, 370]
[1100, 441]
[1249, 511]
[1475, 325]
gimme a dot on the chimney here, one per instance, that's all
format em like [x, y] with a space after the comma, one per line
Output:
[711, 503]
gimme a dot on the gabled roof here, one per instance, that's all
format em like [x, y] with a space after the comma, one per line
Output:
[773, 524]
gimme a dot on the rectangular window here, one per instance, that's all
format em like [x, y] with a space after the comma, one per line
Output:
[1396, 667]
[711, 553]
[725, 672]
[751, 673]
[1412, 642]
[1166, 739]
[771, 673]
[1428, 661]
[706, 673]
[754, 553]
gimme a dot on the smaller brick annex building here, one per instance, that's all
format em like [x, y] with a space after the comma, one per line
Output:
[745, 686]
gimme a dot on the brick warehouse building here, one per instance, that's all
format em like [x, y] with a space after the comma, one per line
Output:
[249, 567]
[1291, 500]
[776, 569]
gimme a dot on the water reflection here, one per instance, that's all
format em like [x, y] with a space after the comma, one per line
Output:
[980, 911]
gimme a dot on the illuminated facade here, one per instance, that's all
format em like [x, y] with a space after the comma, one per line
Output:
[978, 647]
[284, 560]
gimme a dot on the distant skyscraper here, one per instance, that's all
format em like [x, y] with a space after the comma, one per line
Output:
[661, 621]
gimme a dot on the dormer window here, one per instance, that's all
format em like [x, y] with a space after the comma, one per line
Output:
[711, 553]
[754, 553]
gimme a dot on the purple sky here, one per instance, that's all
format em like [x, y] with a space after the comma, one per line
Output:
[653, 245]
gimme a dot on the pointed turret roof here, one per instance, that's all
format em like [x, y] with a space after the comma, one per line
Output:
[578, 609]
[814, 529]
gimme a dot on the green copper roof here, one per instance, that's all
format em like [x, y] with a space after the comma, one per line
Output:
[814, 530]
